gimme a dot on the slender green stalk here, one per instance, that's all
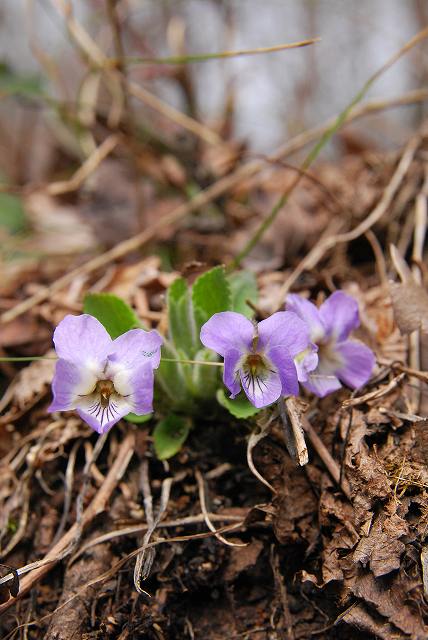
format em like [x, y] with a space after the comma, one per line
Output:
[206, 57]
[210, 364]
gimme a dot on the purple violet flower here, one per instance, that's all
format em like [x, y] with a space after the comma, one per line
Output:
[339, 359]
[103, 379]
[258, 357]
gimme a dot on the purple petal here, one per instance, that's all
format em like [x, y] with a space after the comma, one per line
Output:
[284, 363]
[103, 420]
[82, 340]
[141, 382]
[283, 329]
[358, 363]
[69, 382]
[260, 392]
[227, 330]
[134, 347]
[322, 384]
[340, 315]
[306, 362]
[230, 377]
[308, 312]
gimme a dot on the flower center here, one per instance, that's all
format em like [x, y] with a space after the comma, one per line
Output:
[104, 389]
[103, 403]
[255, 371]
[254, 364]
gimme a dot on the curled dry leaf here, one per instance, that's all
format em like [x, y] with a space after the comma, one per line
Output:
[409, 299]
[33, 380]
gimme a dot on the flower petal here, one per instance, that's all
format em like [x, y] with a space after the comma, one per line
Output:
[308, 312]
[69, 382]
[284, 329]
[358, 363]
[322, 384]
[132, 348]
[227, 330]
[323, 380]
[306, 362]
[231, 377]
[286, 367]
[340, 315]
[136, 386]
[82, 340]
[262, 391]
[101, 419]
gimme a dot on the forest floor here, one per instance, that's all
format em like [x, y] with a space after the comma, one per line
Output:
[334, 549]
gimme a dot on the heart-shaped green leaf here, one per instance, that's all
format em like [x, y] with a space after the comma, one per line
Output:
[240, 407]
[113, 313]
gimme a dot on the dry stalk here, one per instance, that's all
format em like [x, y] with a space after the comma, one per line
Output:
[90, 165]
[145, 558]
[64, 545]
[374, 395]
[202, 499]
[96, 57]
[420, 226]
[111, 572]
[325, 244]
[329, 462]
[199, 201]
[253, 440]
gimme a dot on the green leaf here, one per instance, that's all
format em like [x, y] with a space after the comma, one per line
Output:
[116, 316]
[210, 294]
[169, 436]
[205, 378]
[243, 287]
[181, 323]
[12, 215]
[171, 378]
[240, 407]
[132, 417]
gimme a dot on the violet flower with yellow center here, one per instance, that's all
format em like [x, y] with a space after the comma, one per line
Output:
[339, 359]
[258, 357]
[103, 379]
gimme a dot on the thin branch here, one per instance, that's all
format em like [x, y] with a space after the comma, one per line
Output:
[206, 57]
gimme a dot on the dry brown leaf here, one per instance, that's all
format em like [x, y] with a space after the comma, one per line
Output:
[382, 548]
[390, 601]
[243, 558]
[59, 229]
[359, 617]
[33, 380]
[410, 303]
[409, 299]
[23, 330]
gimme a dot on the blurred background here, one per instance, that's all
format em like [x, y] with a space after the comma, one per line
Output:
[58, 107]
[273, 95]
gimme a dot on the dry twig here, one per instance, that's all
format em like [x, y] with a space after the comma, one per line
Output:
[64, 545]
[325, 244]
[205, 513]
